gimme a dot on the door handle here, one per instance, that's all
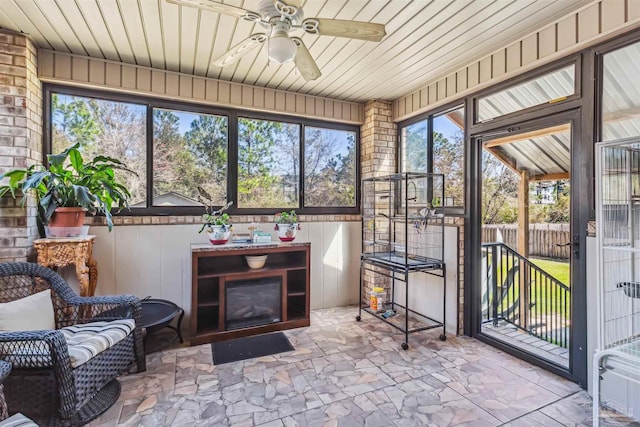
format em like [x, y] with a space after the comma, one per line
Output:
[575, 244]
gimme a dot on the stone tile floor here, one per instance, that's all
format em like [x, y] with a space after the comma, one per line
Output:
[345, 373]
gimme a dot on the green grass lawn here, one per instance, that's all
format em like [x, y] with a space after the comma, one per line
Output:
[548, 297]
[558, 269]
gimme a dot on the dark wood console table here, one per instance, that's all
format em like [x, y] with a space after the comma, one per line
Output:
[215, 268]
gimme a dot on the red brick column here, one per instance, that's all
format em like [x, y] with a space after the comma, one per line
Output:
[20, 139]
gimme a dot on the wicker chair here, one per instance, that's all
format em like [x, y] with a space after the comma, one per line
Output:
[43, 385]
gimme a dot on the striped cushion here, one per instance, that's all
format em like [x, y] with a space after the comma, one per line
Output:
[90, 339]
[18, 420]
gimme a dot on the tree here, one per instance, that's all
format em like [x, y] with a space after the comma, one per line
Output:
[448, 159]
[499, 191]
[106, 128]
[74, 122]
[205, 162]
[256, 162]
[123, 136]
[329, 168]
[556, 212]
[416, 142]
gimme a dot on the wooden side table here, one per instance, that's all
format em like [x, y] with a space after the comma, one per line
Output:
[54, 253]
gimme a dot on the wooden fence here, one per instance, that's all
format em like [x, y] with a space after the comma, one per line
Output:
[543, 238]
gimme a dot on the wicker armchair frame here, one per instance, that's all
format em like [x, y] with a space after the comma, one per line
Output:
[42, 384]
[5, 370]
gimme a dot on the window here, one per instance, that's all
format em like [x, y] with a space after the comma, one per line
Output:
[189, 150]
[329, 167]
[415, 143]
[621, 93]
[264, 163]
[268, 164]
[104, 128]
[448, 154]
[439, 150]
[552, 87]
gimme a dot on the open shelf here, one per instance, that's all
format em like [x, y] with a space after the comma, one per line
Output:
[208, 292]
[208, 319]
[296, 307]
[296, 282]
[226, 265]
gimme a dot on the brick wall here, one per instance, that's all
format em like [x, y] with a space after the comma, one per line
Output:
[20, 139]
[378, 139]
[378, 148]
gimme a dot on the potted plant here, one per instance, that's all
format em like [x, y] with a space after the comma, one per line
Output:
[216, 222]
[69, 187]
[287, 225]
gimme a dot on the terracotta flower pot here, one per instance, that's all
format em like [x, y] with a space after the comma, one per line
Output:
[68, 217]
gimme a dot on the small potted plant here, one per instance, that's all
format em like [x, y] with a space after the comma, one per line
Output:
[68, 187]
[216, 222]
[287, 225]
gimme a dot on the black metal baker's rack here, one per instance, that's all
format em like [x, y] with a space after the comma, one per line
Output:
[402, 234]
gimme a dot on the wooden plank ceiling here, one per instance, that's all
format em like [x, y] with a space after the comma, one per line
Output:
[425, 39]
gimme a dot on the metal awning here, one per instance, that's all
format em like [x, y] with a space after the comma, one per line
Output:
[545, 153]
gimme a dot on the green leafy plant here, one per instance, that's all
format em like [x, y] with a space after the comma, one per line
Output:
[285, 217]
[212, 216]
[69, 181]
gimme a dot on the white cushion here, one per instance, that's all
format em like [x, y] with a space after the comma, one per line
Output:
[32, 313]
[90, 339]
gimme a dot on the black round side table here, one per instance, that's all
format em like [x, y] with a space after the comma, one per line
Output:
[158, 314]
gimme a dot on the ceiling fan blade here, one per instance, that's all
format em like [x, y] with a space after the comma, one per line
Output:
[341, 28]
[214, 6]
[241, 49]
[304, 61]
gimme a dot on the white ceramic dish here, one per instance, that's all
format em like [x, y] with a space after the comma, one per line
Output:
[256, 261]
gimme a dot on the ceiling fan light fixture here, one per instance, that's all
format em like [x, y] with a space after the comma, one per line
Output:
[281, 48]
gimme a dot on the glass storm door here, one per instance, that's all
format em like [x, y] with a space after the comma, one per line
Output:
[527, 249]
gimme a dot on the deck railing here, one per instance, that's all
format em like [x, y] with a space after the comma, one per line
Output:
[517, 291]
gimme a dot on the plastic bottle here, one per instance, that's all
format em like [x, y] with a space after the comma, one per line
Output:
[377, 299]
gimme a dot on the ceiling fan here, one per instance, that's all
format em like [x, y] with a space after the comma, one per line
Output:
[279, 18]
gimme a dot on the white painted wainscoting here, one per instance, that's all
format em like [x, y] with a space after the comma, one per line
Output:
[155, 260]
[425, 290]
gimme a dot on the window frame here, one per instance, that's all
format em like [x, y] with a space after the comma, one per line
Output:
[345, 128]
[232, 115]
[428, 116]
[599, 52]
[524, 78]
